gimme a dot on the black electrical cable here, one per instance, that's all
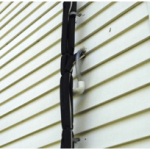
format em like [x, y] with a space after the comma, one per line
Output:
[66, 81]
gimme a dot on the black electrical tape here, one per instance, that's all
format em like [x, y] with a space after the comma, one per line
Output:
[66, 82]
[71, 29]
[66, 6]
[66, 140]
[65, 101]
[64, 61]
[70, 63]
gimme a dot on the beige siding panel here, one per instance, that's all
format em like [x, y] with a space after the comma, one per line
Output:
[116, 133]
[24, 14]
[54, 145]
[22, 57]
[15, 62]
[127, 80]
[110, 111]
[14, 13]
[48, 84]
[10, 27]
[129, 20]
[137, 53]
[145, 57]
[34, 37]
[44, 119]
[125, 8]
[103, 19]
[12, 65]
[42, 32]
[9, 10]
[48, 55]
[43, 137]
[40, 12]
[123, 83]
[93, 138]
[37, 26]
[51, 99]
[142, 28]
[139, 143]
[33, 13]
[104, 76]
[4, 6]
[29, 81]
[114, 109]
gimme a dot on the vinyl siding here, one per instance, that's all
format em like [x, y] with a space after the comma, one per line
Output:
[113, 112]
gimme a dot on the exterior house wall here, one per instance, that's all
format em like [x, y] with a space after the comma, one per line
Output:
[113, 112]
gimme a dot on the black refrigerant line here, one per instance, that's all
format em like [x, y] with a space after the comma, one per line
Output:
[66, 80]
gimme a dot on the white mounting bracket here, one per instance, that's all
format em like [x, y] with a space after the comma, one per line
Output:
[80, 89]
[81, 84]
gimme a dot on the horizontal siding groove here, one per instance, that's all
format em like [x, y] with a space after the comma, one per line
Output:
[106, 23]
[114, 121]
[76, 114]
[15, 42]
[82, 132]
[91, 16]
[114, 56]
[28, 135]
[30, 73]
[82, 6]
[112, 129]
[14, 23]
[85, 71]
[35, 115]
[49, 76]
[97, 105]
[89, 51]
[118, 15]
[96, 46]
[135, 140]
[45, 23]
[120, 33]
[9, 10]
[119, 74]
[77, 134]
[11, 16]
[38, 17]
[30, 101]
[4, 6]
[111, 99]
[10, 32]
[112, 38]
[19, 24]
[55, 57]
[37, 68]
[35, 41]
[58, 85]
[51, 145]
[22, 51]
[99, 83]
[31, 46]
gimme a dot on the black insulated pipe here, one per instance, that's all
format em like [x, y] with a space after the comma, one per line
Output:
[66, 81]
